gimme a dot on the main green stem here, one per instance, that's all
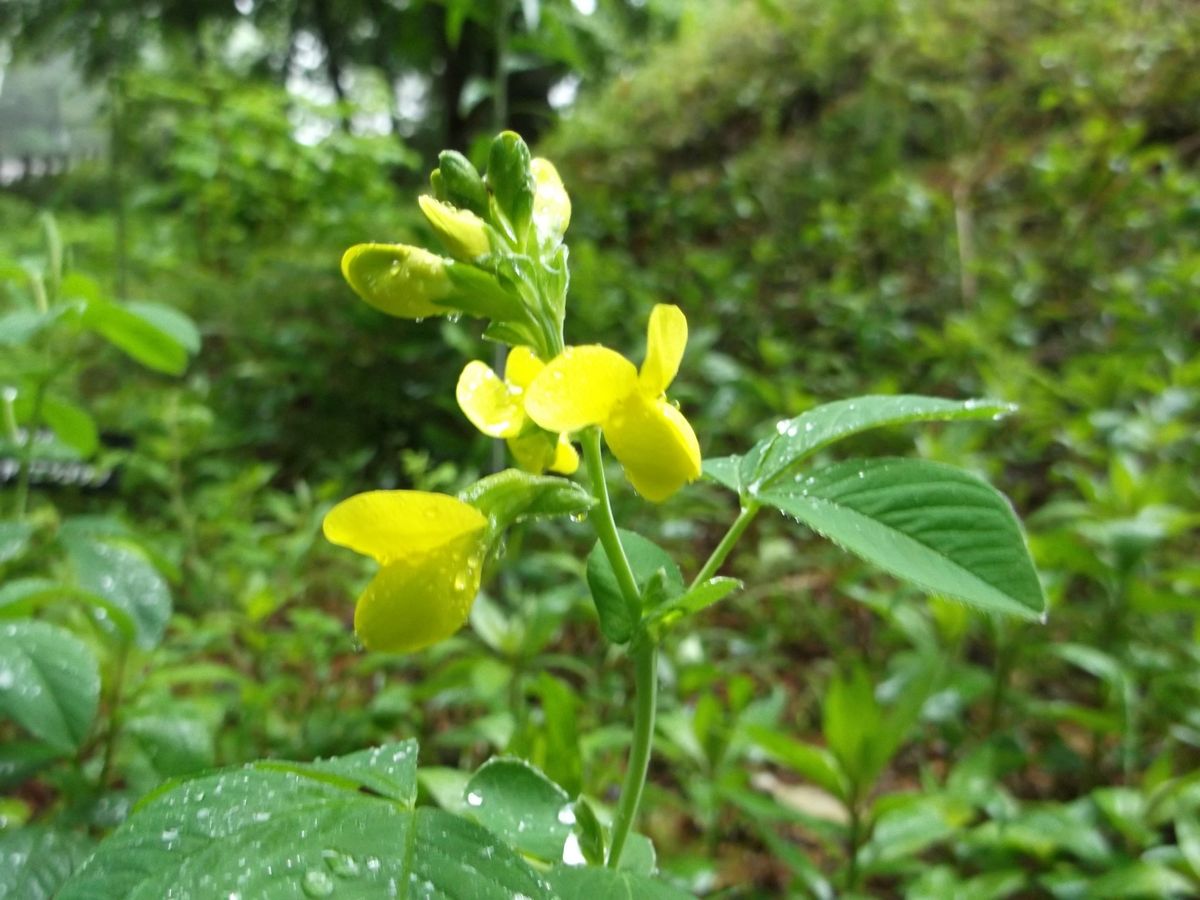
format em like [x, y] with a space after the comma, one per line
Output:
[645, 685]
[643, 652]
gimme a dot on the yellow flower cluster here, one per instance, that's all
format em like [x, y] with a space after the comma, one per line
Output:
[431, 547]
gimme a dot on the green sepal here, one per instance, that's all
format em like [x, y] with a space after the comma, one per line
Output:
[478, 293]
[513, 496]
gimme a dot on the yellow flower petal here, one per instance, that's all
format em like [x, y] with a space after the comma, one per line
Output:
[394, 525]
[666, 338]
[421, 599]
[551, 205]
[655, 444]
[579, 388]
[464, 232]
[488, 402]
[522, 367]
[534, 450]
[400, 280]
[566, 457]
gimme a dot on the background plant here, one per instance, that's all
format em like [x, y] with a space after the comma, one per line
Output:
[812, 158]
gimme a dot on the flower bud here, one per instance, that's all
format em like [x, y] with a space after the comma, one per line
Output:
[398, 279]
[551, 205]
[464, 233]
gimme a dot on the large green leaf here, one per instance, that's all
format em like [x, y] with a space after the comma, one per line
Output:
[770, 460]
[521, 805]
[340, 828]
[939, 527]
[35, 861]
[140, 338]
[646, 559]
[596, 883]
[118, 574]
[49, 682]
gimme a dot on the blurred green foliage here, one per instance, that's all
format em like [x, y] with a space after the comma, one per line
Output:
[947, 198]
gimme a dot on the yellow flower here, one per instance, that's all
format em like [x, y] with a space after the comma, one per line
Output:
[398, 279]
[496, 407]
[551, 205]
[431, 549]
[464, 233]
[593, 385]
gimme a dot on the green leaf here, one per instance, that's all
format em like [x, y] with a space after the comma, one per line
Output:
[138, 337]
[173, 745]
[693, 601]
[907, 829]
[22, 325]
[169, 321]
[513, 496]
[941, 528]
[589, 833]
[49, 682]
[38, 860]
[14, 538]
[511, 183]
[597, 883]
[645, 559]
[447, 787]
[724, 470]
[72, 424]
[118, 574]
[1140, 879]
[389, 770]
[457, 12]
[19, 760]
[1187, 835]
[851, 723]
[20, 596]
[284, 830]
[815, 764]
[518, 803]
[770, 460]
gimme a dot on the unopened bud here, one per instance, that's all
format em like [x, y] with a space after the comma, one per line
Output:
[398, 279]
[464, 233]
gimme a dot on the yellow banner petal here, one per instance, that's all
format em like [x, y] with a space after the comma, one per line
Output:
[420, 600]
[522, 367]
[397, 279]
[655, 444]
[488, 402]
[666, 338]
[393, 525]
[579, 388]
